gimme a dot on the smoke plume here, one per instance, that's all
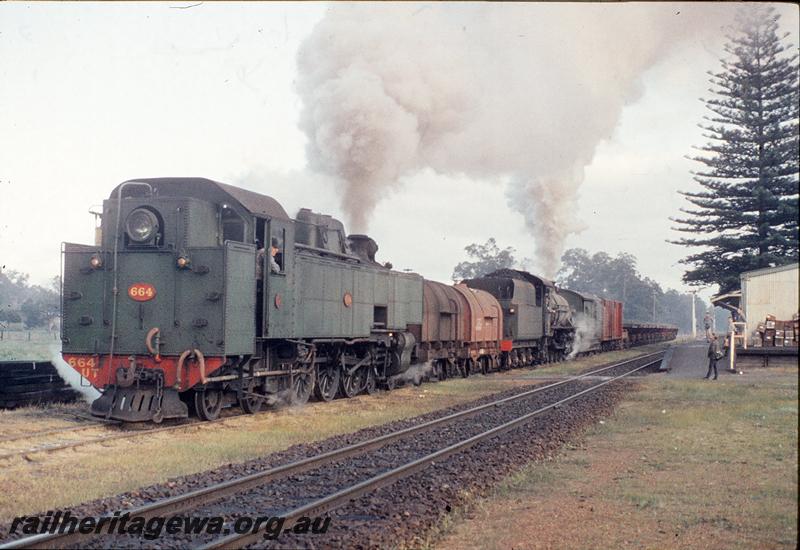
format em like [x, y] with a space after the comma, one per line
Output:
[523, 92]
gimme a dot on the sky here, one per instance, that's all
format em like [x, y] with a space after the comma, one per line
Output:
[93, 95]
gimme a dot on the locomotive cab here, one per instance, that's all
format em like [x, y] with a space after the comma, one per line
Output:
[167, 298]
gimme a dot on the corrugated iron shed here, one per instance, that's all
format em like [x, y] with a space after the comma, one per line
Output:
[770, 291]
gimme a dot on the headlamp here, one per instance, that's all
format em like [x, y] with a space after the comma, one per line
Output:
[141, 225]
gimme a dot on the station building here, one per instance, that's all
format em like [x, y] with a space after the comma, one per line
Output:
[767, 305]
[769, 291]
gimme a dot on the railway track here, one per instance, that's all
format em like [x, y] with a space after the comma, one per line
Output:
[367, 471]
[97, 423]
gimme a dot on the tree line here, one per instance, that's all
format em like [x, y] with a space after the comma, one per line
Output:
[27, 306]
[611, 277]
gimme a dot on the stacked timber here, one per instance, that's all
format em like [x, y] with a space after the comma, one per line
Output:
[30, 383]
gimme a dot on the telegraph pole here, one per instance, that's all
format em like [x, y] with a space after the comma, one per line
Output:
[694, 318]
[654, 305]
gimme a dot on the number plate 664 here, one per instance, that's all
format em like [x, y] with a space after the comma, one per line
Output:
[141, 292]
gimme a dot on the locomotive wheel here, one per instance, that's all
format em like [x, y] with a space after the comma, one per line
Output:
[327, 385]
[302, 386]
[371, 386]
[484, 365]
[252, 403]
[208, 403]
[353, 384]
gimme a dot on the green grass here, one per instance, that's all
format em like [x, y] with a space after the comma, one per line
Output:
[15, 345]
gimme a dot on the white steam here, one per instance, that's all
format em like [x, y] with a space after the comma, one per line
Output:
[71, 376]
[586, 330]
[525, 91]
[415, 374]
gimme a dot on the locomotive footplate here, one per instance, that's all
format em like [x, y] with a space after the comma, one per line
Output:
[139, 396]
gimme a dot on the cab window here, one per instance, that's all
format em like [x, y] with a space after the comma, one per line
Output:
[232, 225]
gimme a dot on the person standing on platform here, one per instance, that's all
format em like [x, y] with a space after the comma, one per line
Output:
[713, 355]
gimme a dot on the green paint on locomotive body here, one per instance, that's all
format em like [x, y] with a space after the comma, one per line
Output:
[379, 298]
[199, 307]
[211, 304]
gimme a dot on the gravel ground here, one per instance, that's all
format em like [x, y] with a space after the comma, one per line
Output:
[404, 511]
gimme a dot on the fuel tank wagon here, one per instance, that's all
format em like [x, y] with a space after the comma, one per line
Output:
[461, 330]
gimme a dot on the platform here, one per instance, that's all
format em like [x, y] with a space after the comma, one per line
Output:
[690, 360]
[766, 357]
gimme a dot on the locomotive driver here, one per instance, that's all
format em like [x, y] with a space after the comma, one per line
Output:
[273, 252]
[273, 264]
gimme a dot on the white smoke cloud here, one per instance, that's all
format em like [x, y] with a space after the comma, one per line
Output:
[485, 90]
[586, 332]
[71, 376]
[415, 373]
